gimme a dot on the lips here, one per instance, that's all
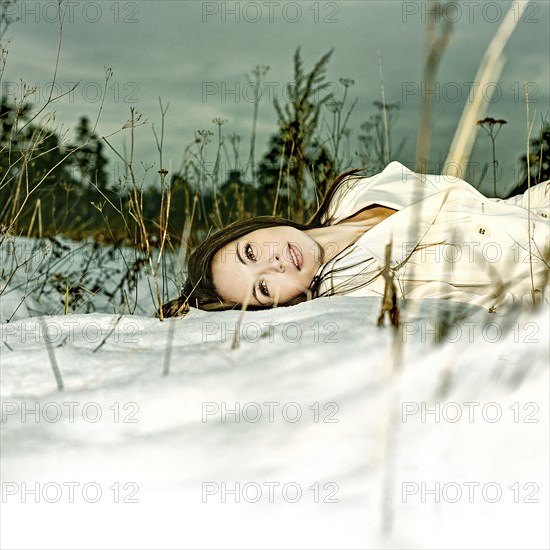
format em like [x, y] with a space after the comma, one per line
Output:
[295, 257]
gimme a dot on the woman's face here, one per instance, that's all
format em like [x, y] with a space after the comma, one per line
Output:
[270, 266]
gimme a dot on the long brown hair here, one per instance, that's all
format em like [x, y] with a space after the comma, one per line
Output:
[199, 290]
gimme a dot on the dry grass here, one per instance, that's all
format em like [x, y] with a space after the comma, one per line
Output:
[489, 70]
[155, 241]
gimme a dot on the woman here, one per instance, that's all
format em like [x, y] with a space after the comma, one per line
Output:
[437, 237]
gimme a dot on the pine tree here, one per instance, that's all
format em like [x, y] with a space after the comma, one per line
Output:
[88, 157]
[539, 161]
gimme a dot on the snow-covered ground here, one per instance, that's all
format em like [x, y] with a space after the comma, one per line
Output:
[317, 429]
[302, 427]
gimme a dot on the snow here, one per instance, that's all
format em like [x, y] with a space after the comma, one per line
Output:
[162, 439]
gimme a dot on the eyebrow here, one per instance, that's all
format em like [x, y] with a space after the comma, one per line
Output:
[254, 285]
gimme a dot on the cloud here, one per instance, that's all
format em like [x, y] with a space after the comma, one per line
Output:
[196, 57]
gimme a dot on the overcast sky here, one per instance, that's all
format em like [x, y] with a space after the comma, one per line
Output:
[196, 56]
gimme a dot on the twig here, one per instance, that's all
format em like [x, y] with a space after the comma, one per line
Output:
[102, 343]
[386, 133]
[51, 355]
[529, 127]
[168, 349]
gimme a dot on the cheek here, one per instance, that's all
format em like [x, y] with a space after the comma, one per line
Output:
[225, 278]
[290, 288]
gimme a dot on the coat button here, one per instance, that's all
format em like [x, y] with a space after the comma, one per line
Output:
[542, 214]
[483, 230]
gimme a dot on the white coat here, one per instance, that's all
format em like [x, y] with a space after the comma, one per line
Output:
[448, 241]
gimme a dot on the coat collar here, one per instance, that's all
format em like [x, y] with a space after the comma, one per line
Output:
[405, 229]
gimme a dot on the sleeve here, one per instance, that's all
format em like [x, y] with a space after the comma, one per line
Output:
[537, 197]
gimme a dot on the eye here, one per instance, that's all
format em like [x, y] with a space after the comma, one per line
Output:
[249, 253]
[263, 288]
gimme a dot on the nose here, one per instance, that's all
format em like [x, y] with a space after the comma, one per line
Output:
[277, 263]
